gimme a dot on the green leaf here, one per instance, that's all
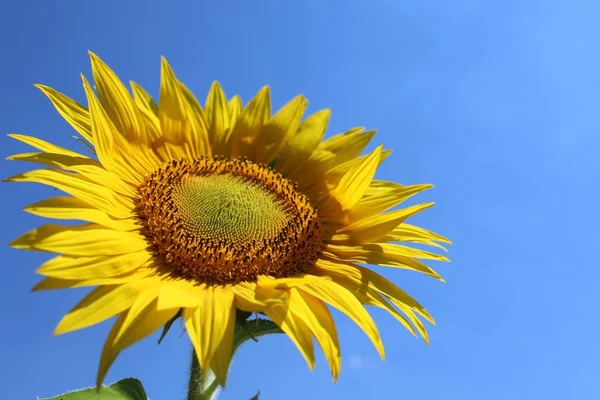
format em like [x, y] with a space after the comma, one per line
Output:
[168, 325]
[125, 389]
[255, 397]
[253, 329]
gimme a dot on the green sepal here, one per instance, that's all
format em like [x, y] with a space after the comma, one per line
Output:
[168, 325]
[125, 389]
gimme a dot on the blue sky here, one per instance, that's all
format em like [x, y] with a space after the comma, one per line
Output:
[496, 103]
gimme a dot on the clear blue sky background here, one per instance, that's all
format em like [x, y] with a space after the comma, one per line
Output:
[495, 102]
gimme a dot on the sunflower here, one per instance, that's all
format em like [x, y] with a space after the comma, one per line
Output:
[210, 210]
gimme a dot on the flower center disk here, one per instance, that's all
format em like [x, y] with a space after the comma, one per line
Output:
[221, 222]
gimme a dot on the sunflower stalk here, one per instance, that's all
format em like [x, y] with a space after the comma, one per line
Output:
[203, 386]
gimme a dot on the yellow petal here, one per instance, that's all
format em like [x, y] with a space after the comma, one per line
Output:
[217, 113]
[74, 113]
[294, 328]
[337, 173]
[307, 138]
[370, 229]
[131, 327]
[149, 112]
[279, 130]
[355, 182]
[377, 255]
[43, 145]
[249, 124]
[375, 281]
[50, 283]
[364, 292]
[116, 101]
[179, 293]
[317, 317]
[339, 149]
[378, 199]
[81, 240]
[73, 184]
[235, 107]
[143, 99]
[412, 233]
[199, 141]
[72, 208]
[87, 167]
[338, 297]
[99, 305]
[209, 324]
[81, 268]
[114, 152]
[248, 298]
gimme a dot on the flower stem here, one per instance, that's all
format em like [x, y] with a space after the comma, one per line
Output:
[195, 383]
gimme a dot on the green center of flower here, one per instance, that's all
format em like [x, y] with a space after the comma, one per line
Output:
[222, 222]
[229, 207]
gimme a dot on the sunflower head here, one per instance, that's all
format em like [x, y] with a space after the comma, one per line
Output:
[207, 209]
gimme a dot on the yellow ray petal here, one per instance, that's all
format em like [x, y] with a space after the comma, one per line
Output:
[101, 304]
[114, 152]
[248, 298]
[355, 182]
[377, 256]
[143, 99]
[180, 293]
[293, 327]
[50, 283]
[370, 229]
[249, 124]
[364, 292]
[74, 113]
[116, 101]
[131, 327]
[81, 240]
[371, 297]
[87, 167]
[209, 324]
[217, 113]
[408, 233]
[64, 207]
[336, 296]
[317, 317]
[43, 145]
[235, 107]
[307, 138]
[81, 268]
[367, 277]
[337, 173]
[73, 184]
[279, 130]
[199, 142]
[384, 198]
[149, 112]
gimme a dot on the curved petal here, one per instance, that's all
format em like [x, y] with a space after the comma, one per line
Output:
[101, 304]
[64, 207]
[87, 167]
[81, 240]
[117, 102]
[317, 318]
[307, 138]
[73, 112]
[249, 124]
[131, 327]
[95, 195]
[208, 325]
[43, 145]
[337, 296]
[81, 268]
